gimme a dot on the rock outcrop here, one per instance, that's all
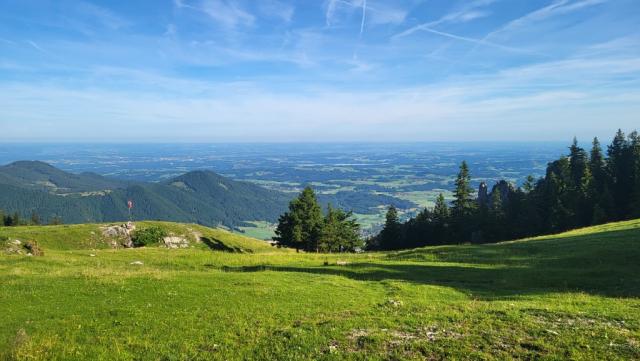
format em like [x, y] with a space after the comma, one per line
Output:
[119, 235]
[175, 242]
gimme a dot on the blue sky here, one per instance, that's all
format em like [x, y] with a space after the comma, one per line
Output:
[325, 70]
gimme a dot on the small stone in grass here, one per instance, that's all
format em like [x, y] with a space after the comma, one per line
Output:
[137, 263]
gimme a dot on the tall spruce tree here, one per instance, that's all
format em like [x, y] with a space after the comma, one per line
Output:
[463, 203]
[390, 236]
[464, 206]
[634, 155]
[301, 226]
[618, 169]
[441, 210]
[578, 163]
[597, 166]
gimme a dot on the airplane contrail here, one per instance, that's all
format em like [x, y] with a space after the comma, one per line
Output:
[364, 15]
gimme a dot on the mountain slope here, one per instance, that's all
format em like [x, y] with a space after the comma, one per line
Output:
[197, 197]
[43, 176]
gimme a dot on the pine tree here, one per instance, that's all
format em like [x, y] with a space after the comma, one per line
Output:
[390, 236]
[441, 220]
[35, 218]
[634, 144]
[464, 207]
[330, 240]
[441, 210]
[348, 231]
[578, 163]
[597, 165]
[463, 203]
[301, 226]
[15, 219]
[618, 169]
[2, 218]
[496, 217]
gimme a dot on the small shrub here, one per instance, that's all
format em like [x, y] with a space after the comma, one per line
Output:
[148, 236]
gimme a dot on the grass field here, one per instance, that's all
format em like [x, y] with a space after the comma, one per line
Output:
[568, 296]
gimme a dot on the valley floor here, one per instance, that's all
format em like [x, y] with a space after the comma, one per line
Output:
[570, 296]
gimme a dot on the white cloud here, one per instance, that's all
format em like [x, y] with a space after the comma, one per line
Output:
[527, 102]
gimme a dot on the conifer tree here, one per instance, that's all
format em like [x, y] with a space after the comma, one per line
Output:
[464, 206]
[618, 169]
[15, 219]
[496, 217]
[463, 203]
[578, 161]
[441, 210]
[634, 145]
[391, 233]
[35, 218]
[597, 165]
[301, 226]
[330, 237]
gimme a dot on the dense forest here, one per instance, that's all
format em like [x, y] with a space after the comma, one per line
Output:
[580, 189]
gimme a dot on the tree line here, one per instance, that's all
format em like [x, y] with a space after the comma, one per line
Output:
[15, 219]
[580, 189]
[305, 227]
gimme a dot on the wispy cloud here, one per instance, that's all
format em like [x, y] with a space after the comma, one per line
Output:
[473, 40]
[102, 15]
[557, 7]
[277, 9]
[36, 46]
[364, 16]
[375, 14]
[226, 13]
[468, 13]
[526, 102]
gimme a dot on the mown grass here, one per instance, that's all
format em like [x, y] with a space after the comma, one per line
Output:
[568, 296]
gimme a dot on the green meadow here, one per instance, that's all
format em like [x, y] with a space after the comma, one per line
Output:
[569, 296]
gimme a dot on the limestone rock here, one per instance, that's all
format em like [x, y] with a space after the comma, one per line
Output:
[175, 242]
[119, 235]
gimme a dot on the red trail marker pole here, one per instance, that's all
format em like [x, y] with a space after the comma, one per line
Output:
[129, 205]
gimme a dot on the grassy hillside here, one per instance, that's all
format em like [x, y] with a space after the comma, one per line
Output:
[574, 295]
[90, 236]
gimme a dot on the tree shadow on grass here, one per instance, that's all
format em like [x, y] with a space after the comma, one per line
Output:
[599, 265]
[217, 245]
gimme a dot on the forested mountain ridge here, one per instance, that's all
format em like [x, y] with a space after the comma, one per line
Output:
[43, 176]
[198, 196]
